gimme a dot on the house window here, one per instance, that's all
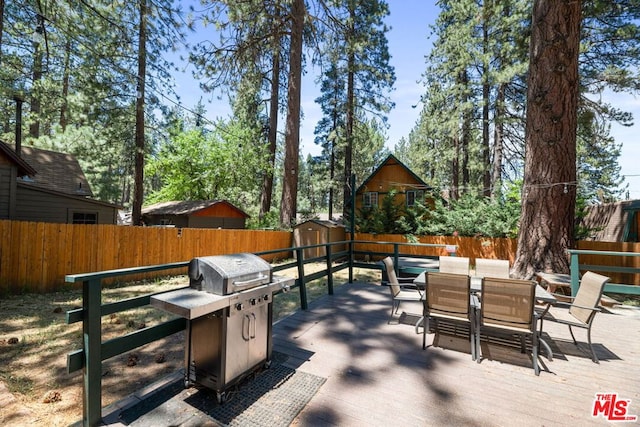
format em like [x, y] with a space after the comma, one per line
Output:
[414, 196]
[84, 218]
[370, 199]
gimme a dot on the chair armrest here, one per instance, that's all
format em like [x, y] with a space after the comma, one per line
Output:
[562, 296]
[569, 305]
[409, 280]
[586, 308]
[409, 285]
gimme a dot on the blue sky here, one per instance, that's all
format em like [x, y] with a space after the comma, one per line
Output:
[408, 45]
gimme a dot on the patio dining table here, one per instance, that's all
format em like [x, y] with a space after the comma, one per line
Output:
[542, 295]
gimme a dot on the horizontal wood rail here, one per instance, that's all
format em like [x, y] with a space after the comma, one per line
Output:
[617, 288]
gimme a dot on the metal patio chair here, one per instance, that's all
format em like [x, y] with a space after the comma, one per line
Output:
[454, 264]
[401, 289]
[583, 308]
[492, 268]
[508, 305]
[448, 297]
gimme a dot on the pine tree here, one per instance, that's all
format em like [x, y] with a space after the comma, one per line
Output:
[288, 201]
[548, 204]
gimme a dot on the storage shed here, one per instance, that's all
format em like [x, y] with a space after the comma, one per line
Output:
[195, 214]
[316, 232]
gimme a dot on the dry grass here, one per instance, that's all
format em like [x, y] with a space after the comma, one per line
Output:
[35, 339]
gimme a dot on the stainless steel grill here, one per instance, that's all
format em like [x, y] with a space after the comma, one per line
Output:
[229, 310]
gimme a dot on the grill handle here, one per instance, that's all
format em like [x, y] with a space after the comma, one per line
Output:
[258, 280]
[252, 333]
[246, 325]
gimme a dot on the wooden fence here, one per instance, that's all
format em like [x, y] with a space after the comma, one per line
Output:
[471, 247]
[35, 257]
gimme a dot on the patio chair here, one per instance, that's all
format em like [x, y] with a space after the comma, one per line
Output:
[583, 308]
[454, 264]
[508, 305]
[492, 268]
[401, 289]
[448, 297]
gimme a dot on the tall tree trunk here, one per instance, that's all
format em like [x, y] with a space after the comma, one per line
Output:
[549, 191]
[486, 152]
[6, 125]
[465, 138]
[350, 115]
[455, 169]
[288, 205]
[332, 161]
[38, 55]
[138, 191]
[1, 27]
[496, 174]
[65, 85]
[267, 180]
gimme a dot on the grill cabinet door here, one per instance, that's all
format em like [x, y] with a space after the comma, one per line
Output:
[246, 340]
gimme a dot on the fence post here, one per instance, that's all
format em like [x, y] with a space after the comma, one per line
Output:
[92, 345]
[575, 273]
[329, 272]
[302, 285]
[351, 259]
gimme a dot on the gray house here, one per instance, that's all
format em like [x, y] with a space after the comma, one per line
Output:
[47, 186]
[195, 214]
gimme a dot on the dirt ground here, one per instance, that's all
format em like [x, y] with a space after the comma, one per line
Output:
[35, 388]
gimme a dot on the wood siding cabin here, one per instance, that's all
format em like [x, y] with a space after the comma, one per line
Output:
[392, 174]
[47, 186]
[195, 214]
[612, 222]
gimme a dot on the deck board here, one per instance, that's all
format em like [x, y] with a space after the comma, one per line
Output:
[378, 375]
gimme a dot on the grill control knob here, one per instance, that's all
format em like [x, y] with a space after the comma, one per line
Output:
[252, 301]
[266, 297]
[239, 306]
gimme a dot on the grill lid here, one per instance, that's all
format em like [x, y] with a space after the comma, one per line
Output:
[225, 274]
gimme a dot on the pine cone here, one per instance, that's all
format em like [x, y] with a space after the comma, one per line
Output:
[52, 396]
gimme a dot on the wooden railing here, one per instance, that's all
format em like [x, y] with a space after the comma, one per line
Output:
[607, 269]
[89, 358]
[94, 350]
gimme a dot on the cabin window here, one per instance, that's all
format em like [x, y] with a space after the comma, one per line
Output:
[414, 196]
[370, 199]
[84, 218]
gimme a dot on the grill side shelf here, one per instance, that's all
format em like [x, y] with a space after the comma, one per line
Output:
[189, 303]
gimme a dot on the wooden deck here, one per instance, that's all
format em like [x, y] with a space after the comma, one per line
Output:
[378, 375]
